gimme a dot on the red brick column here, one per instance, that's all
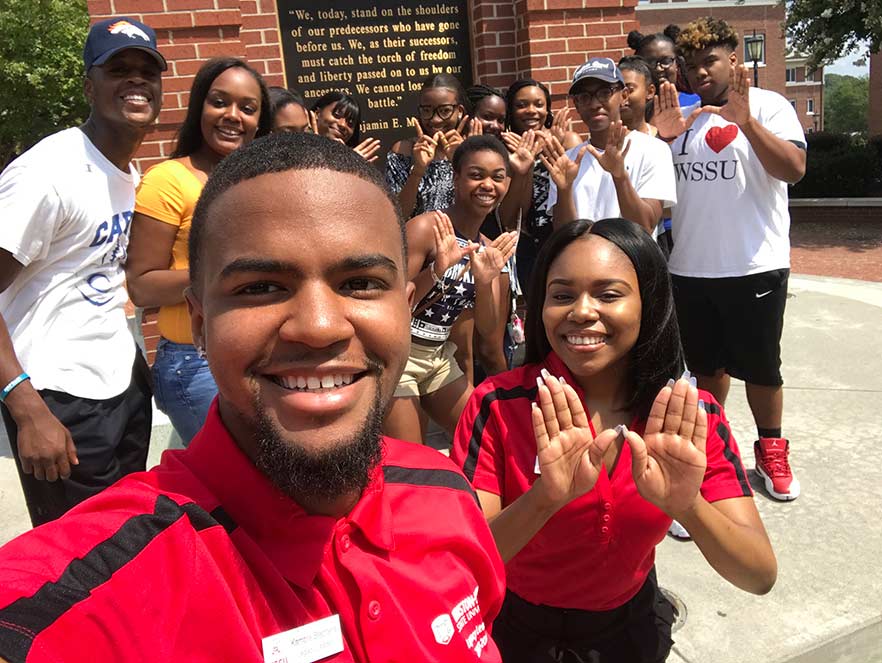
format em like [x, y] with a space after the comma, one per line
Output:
[190, 32]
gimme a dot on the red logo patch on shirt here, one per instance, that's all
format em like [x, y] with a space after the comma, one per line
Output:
[718, 137]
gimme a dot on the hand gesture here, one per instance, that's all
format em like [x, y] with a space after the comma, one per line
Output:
[667, 116]
[45, 447]
[367, 149]
[561, 168]
[313, 122]
[737, 106]
[476, 127]
[448, 251]
[424, 149]
[562, 124]
[570, 458]
[451, 139]
[612, 159]
[523, 150]
[669, 461]
[487, 261]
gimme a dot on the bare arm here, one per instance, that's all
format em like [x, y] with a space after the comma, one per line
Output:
[781, 159]
[645, 212]
[148, 279]
[45, 446]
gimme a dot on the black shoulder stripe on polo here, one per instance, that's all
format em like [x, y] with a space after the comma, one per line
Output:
[471, 461]
[733, 458]
[425, 477]
[201, 519]
[712, 408]
[25, 618]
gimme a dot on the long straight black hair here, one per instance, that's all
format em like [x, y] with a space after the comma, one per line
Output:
[657, 355]
[345, 105]
[514, 88]
[190, 134]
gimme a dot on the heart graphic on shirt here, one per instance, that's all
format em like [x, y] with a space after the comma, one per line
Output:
[718, 137]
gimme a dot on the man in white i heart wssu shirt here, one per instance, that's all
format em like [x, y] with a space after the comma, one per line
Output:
[734, 154]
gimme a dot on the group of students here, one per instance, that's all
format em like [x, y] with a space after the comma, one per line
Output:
[307, 306]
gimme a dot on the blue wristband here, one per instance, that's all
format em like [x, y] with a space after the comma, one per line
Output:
[12, 385]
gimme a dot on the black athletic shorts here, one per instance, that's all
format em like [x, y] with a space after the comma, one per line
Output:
[637, 632]
[111, 436]
[733, 324]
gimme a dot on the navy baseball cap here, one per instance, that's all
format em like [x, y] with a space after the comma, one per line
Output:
[602, 69]
[112, 35]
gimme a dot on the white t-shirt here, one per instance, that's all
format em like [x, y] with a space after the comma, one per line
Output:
[65, 213]
[650, 170]
[731, 217]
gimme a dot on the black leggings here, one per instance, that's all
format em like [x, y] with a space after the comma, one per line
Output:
[637, 632]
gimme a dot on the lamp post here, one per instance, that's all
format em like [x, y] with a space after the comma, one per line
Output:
[755, 52]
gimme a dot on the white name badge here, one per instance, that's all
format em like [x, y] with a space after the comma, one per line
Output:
[305, 644]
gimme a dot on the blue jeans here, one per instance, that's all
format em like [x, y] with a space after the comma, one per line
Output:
[183, 386]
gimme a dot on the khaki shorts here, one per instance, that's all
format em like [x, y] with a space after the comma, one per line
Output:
[429, 368]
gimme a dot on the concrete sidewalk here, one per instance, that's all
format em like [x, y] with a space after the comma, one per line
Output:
[826, 606]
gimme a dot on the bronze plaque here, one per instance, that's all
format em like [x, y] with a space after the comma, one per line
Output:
[380, 52]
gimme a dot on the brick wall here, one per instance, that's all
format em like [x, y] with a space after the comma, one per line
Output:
[766, 19]
[190, 32]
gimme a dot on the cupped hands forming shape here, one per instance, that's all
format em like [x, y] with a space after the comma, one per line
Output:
[523, 150]
[485, 262]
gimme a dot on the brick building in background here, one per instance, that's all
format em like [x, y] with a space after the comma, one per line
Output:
[805, 91]
[544, 39]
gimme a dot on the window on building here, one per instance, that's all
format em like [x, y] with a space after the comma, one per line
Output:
[748, 60]
[790, 74]
[809, 74]
[810, 106]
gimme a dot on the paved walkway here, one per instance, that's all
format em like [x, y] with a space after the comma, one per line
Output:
[826, 606]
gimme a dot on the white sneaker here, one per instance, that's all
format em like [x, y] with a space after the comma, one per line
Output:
[679, 532]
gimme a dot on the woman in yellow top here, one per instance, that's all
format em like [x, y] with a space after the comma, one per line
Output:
[229, 106]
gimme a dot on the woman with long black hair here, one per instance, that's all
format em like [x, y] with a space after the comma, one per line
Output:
[582, 457]
[338, 117]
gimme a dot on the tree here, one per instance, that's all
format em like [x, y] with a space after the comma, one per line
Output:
[826, 30]
[846, 99]
[41, 70]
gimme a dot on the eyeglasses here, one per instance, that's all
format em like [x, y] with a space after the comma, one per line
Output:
[602, 95]
[444, 111]
[664, 62]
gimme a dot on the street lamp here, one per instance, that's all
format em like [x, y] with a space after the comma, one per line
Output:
[755, 52]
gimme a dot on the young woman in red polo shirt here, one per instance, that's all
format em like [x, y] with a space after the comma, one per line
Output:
[583, 456]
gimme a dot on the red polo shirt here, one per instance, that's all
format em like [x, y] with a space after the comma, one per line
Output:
[201, 558]
[596, 552]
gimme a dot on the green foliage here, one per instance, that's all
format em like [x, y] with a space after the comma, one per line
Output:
[840, 166]
[41, 70]
[846, 103]
[827, 30]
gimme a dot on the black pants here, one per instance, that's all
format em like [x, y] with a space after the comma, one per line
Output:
[111, 437]
[637, 632]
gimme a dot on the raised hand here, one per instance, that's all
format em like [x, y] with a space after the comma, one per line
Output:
[367, 149]
[669, 461]
[476, 127]
[562, 124]
[451, 139]
[448, 251]
[570, 457]
[612, 159]
[737, 106]
[424, 148]
[487, 261]
[667, 115]
[313, 121]
[523, 150]
[561, 168]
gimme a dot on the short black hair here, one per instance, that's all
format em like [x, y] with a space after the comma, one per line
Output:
[278, 153]
[516, 87]
[447, 82]
[282, 96]
[477, 93]
[346, 106]
[657, 355]
[480, 143]
[190, 138]
[639, 41]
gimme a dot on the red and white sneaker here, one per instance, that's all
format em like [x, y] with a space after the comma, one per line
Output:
[771, 464]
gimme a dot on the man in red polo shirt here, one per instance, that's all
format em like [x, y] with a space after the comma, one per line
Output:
[289, 530]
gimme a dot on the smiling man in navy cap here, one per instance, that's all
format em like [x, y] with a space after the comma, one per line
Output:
[616, 173]
[73, 387]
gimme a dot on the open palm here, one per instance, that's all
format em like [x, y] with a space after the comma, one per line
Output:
[669, 461]
[561, 168]
[570, 457]
[487, 262]
[668, 116]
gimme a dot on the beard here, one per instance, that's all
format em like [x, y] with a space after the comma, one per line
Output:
[309, 477]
